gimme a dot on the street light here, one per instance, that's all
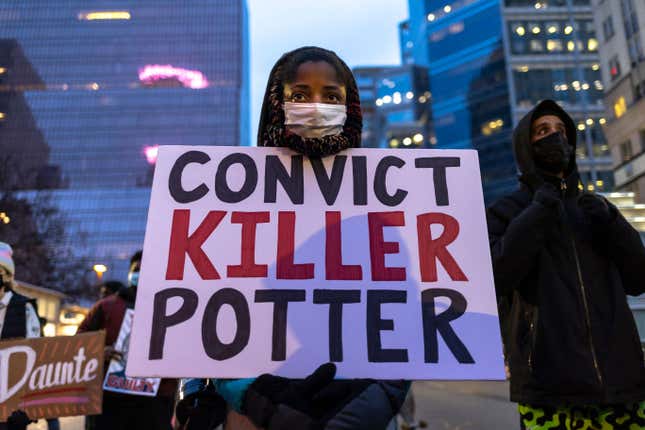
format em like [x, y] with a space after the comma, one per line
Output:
[100, 269]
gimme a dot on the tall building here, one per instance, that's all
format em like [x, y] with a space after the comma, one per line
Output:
[396, 106]
[490, 61]
[552, 52]
[619, 25]
[116, 79]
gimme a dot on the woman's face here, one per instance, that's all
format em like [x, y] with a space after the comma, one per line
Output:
[315, 82]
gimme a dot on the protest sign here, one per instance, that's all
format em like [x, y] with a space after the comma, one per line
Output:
[52, 377]
[115, 377]
[261, 260]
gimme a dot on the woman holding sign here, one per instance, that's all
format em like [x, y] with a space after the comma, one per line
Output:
[312, 106]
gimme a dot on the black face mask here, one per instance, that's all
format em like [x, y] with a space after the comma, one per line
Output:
[552, 153]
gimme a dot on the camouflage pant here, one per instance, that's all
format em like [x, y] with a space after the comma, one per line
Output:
[589, 417]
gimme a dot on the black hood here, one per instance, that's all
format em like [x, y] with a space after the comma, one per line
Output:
[522, 138]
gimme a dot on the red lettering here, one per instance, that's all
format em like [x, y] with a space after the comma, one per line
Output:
[285, 267]
[248, 268]
[334, 267]
[181, 244]
[378, 247]
[431, 250]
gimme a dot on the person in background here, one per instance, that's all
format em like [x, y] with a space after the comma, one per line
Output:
[564, 262]
[108, 288]
[312, 106]
[18, 319]
[123, 411]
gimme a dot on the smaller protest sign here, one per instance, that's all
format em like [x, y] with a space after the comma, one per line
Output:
[115, 378]
[52, 376]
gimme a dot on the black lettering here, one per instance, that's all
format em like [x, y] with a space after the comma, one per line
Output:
[438, 166]
[161, 322]
[433, 323]
[223, 191]
[336, 299]
[174, 179]
[380, 181]
[213, 346]
[280, 300]
[375, 325]
[359, 166]
[292, 183]
[329, 185]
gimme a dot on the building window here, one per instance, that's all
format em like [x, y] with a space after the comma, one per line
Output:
[626, 151]
[642, 138]
[614, 68]
[537, 46]
[620, 107]
[608, 28]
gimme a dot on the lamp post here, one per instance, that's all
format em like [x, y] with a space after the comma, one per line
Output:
[100, 269]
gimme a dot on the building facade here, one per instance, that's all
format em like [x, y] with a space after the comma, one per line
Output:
[619, 25]
[395, 101]
[103, 84]
[490, 61]
[552, 52]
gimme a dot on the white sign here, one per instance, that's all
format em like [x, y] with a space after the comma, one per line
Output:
[115, 378]
[261, 260]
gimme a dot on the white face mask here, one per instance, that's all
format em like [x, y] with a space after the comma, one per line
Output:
[314, 120]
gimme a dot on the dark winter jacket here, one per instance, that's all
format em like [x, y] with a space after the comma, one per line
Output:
[15, 319]
[107, 314]
[562, 282]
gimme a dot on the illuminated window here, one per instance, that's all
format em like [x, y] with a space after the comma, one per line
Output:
[554, 45]
[2, 115]
[537, 46]
[407, 141]
[491, 127]
[2, 70]
[417, 138]
[536, 29]
[104, 15]
[520, 30]
[394, 143]
[523, 69]
[620, 107]
[552, 28]
[568, 29]
[592, 44]
[614, 68]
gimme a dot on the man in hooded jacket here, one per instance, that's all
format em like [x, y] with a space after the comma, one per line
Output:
[564, 261]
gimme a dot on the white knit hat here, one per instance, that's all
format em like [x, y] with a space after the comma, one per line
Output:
[6, 260]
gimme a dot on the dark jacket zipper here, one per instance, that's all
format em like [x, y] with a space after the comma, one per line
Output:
[563, 188]
[532, 332]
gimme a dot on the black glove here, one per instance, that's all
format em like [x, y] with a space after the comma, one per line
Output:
[204, 410]
[597, 210]
[277, 403]
[18, 420]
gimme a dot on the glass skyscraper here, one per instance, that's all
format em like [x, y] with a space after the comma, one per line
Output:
[95, 87]
[490, 61]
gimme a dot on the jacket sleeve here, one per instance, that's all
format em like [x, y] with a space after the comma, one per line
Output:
[233, 391]
[627, 252]
[373, 408]
[93, 321]
[516, 236]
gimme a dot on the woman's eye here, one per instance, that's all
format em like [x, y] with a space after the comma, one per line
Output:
[333, 98]
[298, 97]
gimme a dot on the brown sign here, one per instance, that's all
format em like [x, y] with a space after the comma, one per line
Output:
[52, 376]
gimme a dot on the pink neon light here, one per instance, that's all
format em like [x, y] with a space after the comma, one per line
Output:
[189, 78]
[151, 153]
